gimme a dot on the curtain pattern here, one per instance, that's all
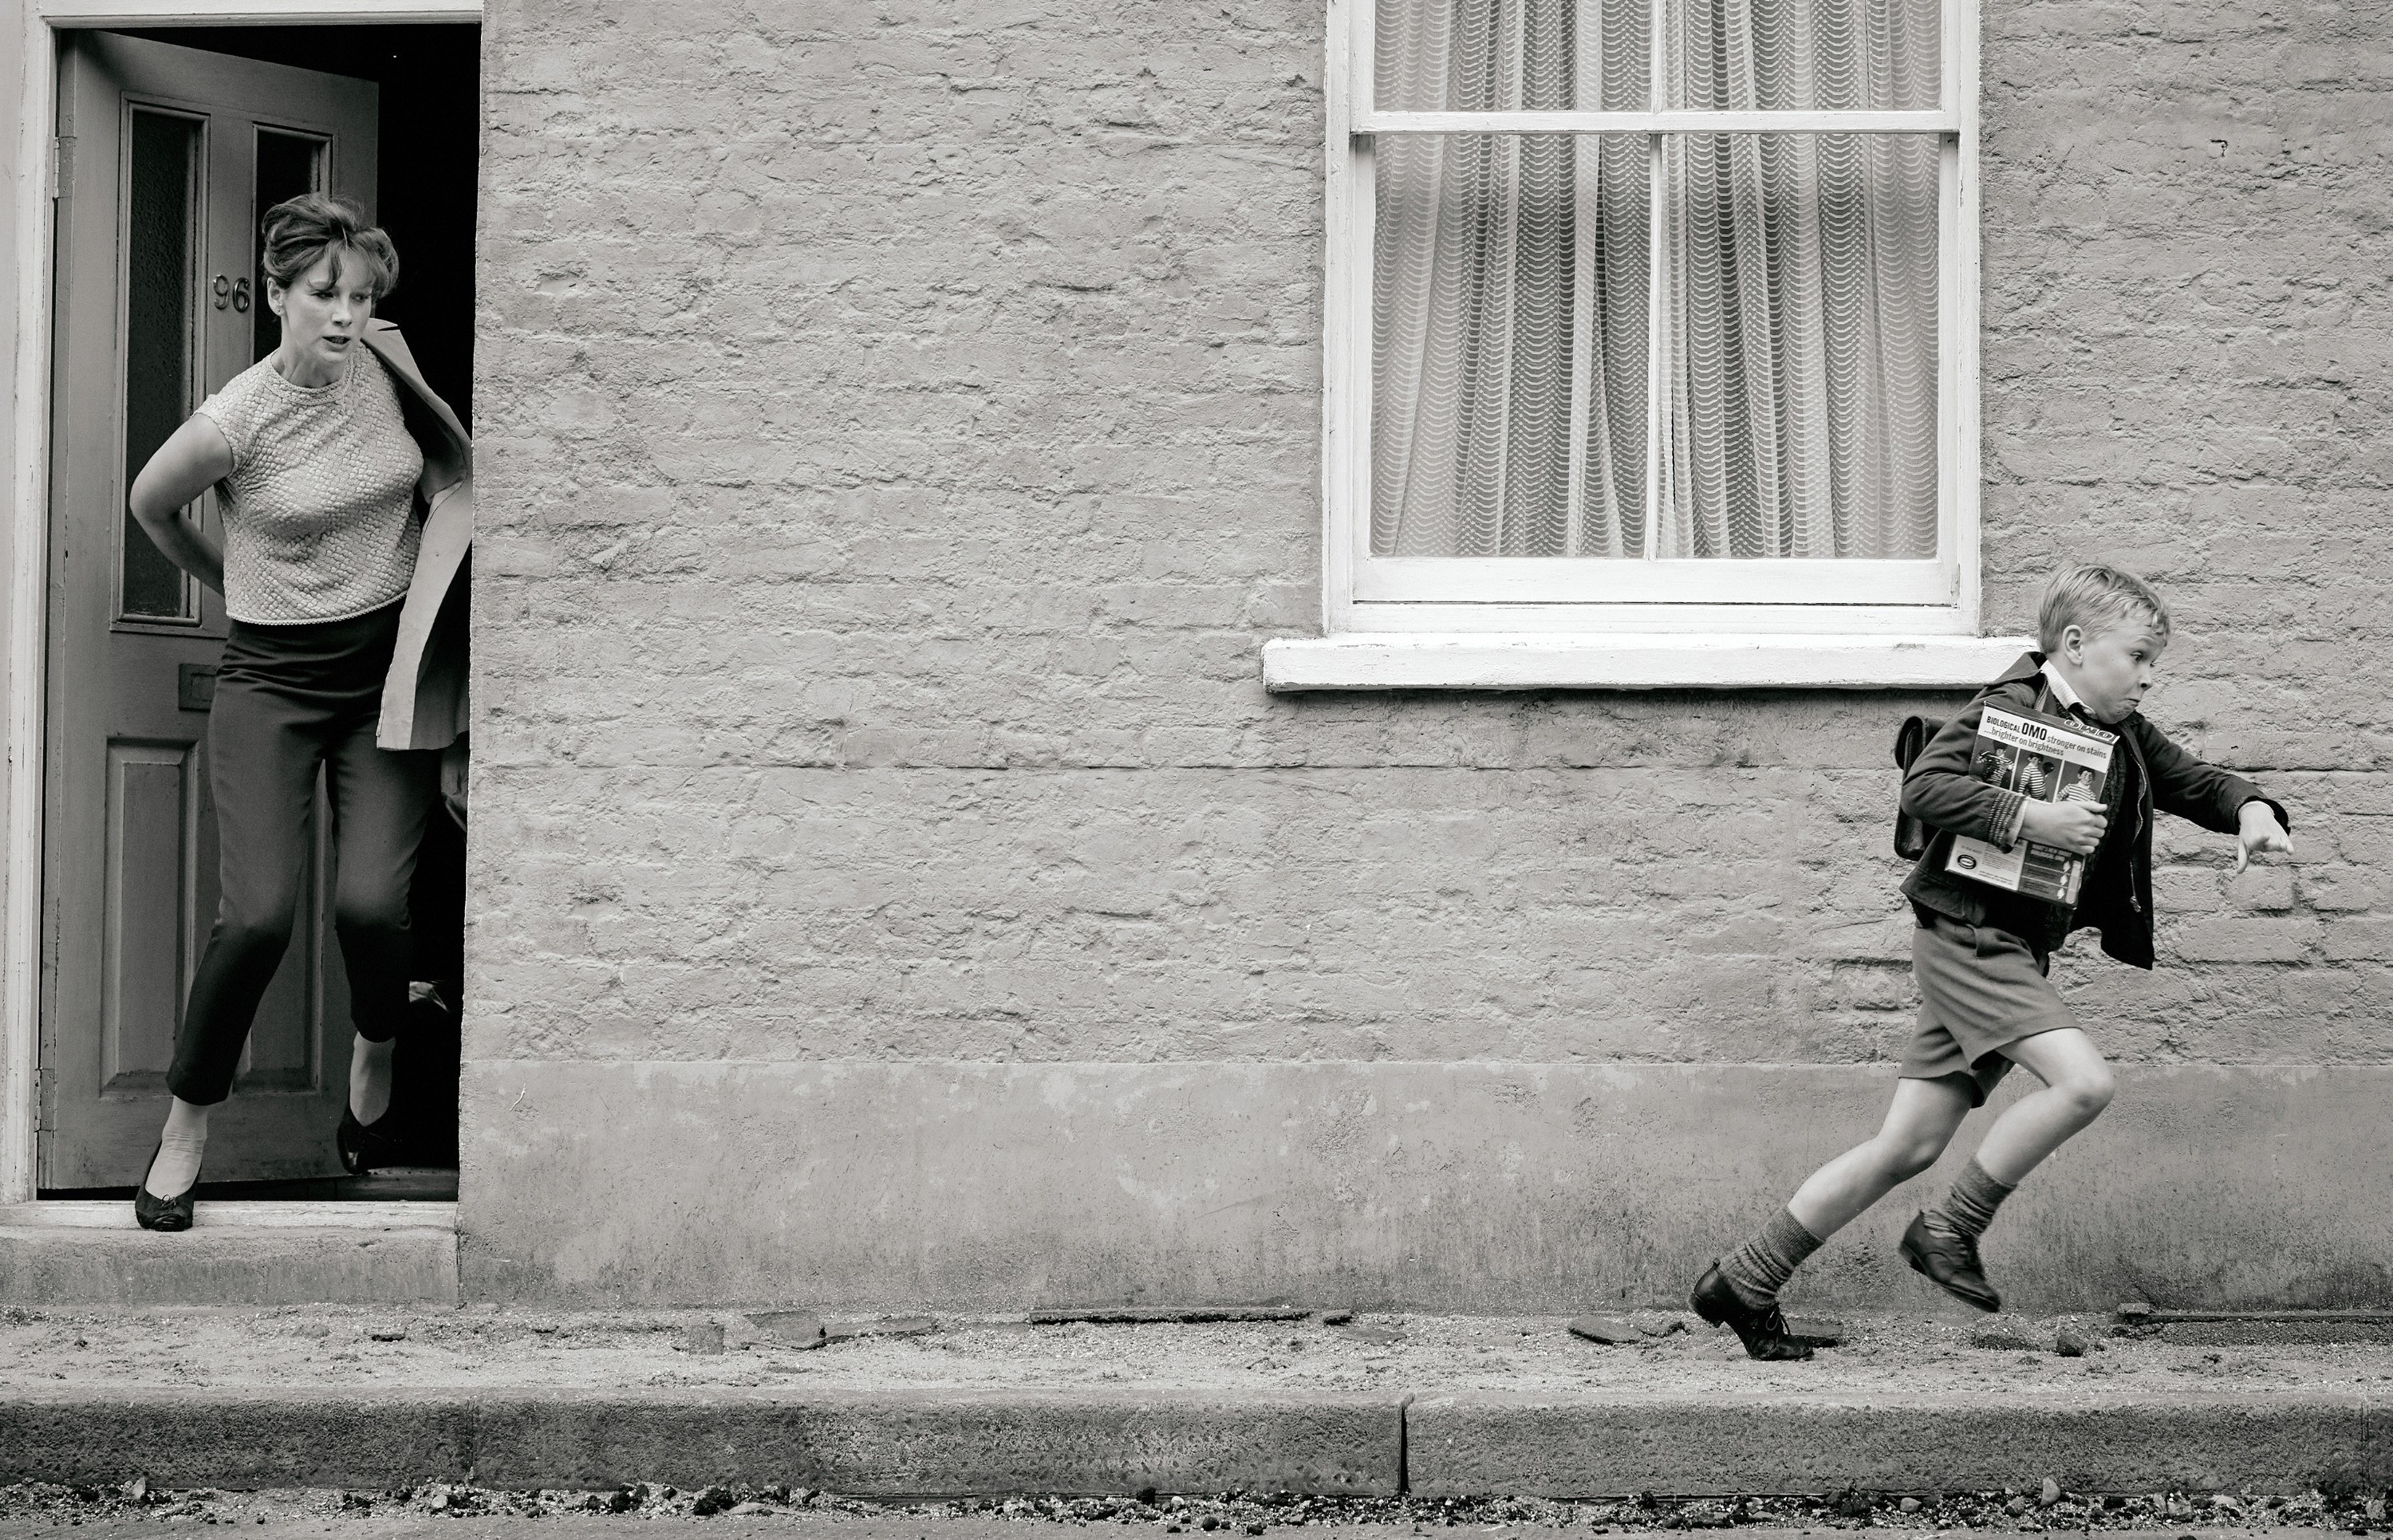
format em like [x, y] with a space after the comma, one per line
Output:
[1511, 287]
[1877, 56]
[1510, 271]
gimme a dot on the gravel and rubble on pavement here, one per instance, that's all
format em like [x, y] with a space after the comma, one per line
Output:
[327, 1346]
[35, 1507]
[30, 1508]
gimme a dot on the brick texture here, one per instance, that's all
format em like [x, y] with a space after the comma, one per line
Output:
[900, 432]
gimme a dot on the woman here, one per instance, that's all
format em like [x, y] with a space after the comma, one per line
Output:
[327, 456]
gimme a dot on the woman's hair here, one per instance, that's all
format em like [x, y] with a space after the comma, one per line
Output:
[299, 230]
[2098, 597]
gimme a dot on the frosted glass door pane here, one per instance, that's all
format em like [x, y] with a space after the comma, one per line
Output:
[288, 164]
[161, 156]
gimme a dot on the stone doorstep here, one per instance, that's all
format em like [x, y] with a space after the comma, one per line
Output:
[932, 1443]
[91, 1253]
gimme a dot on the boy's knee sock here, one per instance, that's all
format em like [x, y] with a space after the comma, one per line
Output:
[1760, 1268]
[1969, 1207]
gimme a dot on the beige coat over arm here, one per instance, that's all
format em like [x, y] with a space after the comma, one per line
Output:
[424, 699]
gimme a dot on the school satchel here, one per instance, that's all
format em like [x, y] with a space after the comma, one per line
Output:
[1911, 836]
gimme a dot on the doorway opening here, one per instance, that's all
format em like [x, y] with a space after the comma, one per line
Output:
[172, 142]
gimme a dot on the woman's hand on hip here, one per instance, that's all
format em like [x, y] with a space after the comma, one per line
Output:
[194, 458]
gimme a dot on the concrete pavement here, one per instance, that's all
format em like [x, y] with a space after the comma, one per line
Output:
[1432, 1406]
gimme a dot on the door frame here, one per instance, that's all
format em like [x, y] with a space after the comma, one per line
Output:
[32, 29]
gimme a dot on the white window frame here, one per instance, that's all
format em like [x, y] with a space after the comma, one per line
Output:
[30, 99]
[1472, 622]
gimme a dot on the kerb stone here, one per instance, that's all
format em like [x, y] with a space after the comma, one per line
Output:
[1470, 1444]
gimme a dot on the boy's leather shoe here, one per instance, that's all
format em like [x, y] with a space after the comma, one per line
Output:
[1950, 1261]
[1762, 1331]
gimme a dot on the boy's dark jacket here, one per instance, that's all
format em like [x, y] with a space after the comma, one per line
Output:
[1940, 791]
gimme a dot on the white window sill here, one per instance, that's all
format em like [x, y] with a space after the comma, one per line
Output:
[1602, 662]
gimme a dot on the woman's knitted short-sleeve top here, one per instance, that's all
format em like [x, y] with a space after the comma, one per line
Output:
[320, 509]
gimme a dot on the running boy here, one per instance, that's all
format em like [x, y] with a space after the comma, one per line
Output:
[1983, 956]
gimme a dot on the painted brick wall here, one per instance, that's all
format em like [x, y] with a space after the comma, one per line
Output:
[898, 433]
[2187, 342]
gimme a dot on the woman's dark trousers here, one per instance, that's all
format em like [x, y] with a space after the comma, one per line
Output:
[289, 699]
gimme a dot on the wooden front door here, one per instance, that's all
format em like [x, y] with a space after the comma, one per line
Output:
[168, 156]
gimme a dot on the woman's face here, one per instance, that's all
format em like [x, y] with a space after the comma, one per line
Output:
[325, 310]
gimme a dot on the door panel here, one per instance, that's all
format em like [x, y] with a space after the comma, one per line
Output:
[171, 155]
[152, 826]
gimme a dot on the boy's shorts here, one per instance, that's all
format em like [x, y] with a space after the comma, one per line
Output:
[1980, 989]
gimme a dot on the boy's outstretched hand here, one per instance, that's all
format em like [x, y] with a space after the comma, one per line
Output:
[2260, 831]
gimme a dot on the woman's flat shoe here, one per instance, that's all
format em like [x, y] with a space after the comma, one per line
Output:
[156, 1213]
[364, 1146]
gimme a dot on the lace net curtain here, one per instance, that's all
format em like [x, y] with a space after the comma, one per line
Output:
[1511, 391]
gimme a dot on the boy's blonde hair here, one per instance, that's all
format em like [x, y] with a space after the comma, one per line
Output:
[2097, 598]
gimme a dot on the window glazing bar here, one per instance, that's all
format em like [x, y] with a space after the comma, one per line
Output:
[1657, 122]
